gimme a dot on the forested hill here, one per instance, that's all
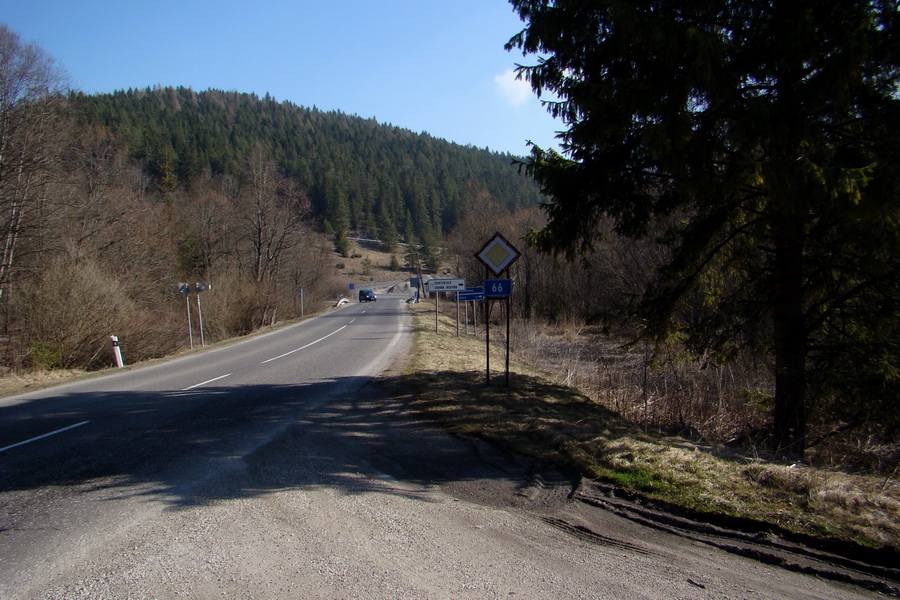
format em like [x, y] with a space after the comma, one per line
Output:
[360, 175]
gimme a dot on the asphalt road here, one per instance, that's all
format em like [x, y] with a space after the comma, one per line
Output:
[278, 467]
[171, 425]
[306, 362]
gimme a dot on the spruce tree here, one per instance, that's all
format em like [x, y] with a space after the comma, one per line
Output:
[758, 139]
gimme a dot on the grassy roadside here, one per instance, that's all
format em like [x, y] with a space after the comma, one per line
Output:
[559, 425]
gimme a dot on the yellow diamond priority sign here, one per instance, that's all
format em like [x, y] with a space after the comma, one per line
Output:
[498, 254]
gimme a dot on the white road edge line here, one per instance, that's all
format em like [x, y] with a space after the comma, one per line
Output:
[196, 385]
[46, 435]
[303, 347]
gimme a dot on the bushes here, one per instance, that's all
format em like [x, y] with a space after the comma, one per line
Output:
[71, 312]
[678, 393]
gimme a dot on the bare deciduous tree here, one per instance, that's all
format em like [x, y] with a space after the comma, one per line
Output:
[270, 216]
[31, 126]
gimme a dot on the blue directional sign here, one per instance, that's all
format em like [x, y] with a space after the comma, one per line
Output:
[498, 288]
[471, 293]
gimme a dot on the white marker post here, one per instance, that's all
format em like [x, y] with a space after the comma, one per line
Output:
[117, 351]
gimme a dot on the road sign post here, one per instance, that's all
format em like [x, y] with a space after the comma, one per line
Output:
[184, 288]
[201, 287]
[470, 294]
[445, 285]
[498, 288]
[497, 255]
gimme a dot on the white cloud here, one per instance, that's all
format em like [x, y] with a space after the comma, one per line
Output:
[516, 92]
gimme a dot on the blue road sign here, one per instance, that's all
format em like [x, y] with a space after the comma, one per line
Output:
[498, 288]
[471, 293]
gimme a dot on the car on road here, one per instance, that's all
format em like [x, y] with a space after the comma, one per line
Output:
[367, 296]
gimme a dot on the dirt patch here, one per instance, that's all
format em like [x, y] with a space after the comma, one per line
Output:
[368, 261]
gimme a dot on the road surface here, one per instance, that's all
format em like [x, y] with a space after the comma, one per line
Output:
[277, 468]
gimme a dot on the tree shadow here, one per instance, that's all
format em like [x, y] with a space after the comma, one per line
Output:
[348, 435]
[218, 443]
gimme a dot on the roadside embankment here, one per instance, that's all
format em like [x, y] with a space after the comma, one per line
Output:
[535, 417]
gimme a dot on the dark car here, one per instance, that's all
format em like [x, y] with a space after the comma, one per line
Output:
[367, 296]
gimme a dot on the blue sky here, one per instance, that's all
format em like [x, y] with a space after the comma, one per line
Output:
[423, 65]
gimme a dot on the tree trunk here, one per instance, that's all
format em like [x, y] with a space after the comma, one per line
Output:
[790, 341]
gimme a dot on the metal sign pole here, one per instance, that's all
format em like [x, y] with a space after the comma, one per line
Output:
[497, 255]
[487, 335]
[457, 314]
[200, 318]
[507, 341]
[187, 301]
[467, 317]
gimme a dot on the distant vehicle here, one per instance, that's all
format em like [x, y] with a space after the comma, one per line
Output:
[367, 296]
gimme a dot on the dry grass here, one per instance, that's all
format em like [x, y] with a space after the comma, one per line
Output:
[707, 402]
[20, 383]
[555, 422]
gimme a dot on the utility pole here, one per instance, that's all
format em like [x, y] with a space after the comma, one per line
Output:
[419, 277]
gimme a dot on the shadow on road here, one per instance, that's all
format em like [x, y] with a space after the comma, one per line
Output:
[188, 449]
[226, 442]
